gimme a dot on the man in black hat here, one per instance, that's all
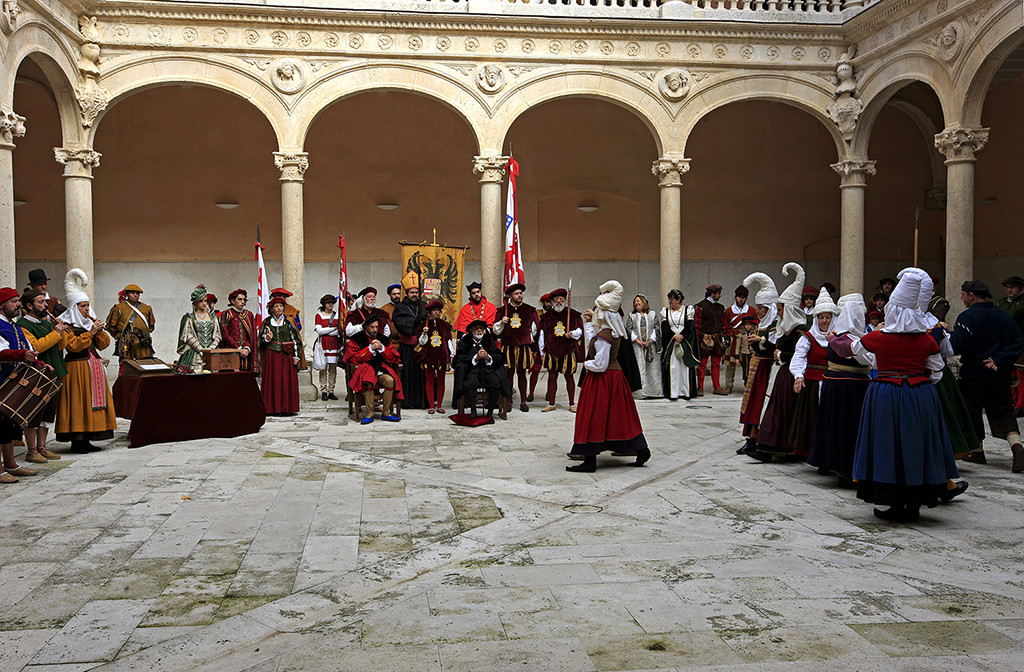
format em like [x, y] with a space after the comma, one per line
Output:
[407, 319]
[364, 306]
[478, 365]
[988, 342]
[38, 281]
[478, 308]
[1014, 305]
[516, 324]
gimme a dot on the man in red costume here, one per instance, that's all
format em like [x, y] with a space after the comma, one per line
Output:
[374, 363]
[561, 329]
[478, 308]
[742, 320]
[238, 329]
[516, 324]
[364, 306]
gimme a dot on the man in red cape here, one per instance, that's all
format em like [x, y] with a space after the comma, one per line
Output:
[374, 363]
[478, 308]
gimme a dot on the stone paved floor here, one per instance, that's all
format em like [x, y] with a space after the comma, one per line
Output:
[322, 545]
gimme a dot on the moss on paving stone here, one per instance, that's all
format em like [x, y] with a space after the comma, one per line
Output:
[473, 510]
[272, 454]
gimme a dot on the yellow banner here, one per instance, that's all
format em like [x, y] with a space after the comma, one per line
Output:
[440, 270]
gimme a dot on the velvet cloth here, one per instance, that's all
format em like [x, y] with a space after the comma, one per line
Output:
[280, 385]
[181, 408]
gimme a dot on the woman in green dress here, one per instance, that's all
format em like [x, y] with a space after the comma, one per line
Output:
[199, 330]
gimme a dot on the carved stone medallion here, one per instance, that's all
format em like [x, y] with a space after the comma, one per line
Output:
[674, 84]
[490, 78]
[287, 76]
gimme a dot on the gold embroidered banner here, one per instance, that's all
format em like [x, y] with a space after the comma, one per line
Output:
[440, 269]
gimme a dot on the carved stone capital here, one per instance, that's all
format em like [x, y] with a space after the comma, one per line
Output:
[11, 126]
[92, 99]
[959, 144]
[77, 162]
[292, 165]
[490, 168]
[670, 171]
[854, 171]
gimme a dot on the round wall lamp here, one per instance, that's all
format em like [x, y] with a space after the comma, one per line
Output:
[587, 208]
[387, 206]
[226, 206]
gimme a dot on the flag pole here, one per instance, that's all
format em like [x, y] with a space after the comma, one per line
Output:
[917, 216]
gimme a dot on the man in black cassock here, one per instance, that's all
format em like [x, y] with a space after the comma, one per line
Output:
[479, 364]
[408, 313]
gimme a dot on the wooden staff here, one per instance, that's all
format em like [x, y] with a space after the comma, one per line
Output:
[917, 216]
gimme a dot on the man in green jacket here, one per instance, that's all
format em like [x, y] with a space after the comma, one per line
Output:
[48, 340]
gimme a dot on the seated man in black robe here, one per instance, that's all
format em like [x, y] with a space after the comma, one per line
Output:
[479, 364]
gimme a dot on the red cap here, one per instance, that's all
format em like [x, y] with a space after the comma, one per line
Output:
[8, 293]
[280, 290]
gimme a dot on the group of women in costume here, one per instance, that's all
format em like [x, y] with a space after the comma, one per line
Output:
[895, 434]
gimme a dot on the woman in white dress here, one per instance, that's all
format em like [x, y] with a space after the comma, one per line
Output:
[678, 337]
[644, 329]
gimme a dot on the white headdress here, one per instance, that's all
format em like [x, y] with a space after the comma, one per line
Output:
[607, 306]
[767, 296]
[825, 304]
[851, 315]
[902, 314]
[793, 315]
[74, 281]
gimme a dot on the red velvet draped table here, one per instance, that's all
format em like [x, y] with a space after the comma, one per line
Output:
[181, 408]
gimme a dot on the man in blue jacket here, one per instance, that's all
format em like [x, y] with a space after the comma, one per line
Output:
[988, 342]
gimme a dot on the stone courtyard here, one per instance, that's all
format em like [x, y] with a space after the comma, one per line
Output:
[421, 546]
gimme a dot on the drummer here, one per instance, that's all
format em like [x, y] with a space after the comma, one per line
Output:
[49, 340]
[14, 347]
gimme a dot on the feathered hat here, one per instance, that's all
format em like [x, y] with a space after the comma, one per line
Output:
[793, 294]
[766, 292]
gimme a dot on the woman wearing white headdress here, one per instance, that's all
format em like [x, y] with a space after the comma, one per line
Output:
[606, 417]
[85, 410]
[679, 359]
[645, 333]
[842, 394]
[773, 437]
[810, 359]
[904, 458]
[761, 357]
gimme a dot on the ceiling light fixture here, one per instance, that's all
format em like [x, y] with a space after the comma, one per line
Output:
[989, 201]
[587, 208]
[17, 203]
[387, 206]
[226, 206]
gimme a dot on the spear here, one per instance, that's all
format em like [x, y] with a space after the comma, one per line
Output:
[917, 216]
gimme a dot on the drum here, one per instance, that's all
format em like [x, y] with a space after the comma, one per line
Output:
[26, 391]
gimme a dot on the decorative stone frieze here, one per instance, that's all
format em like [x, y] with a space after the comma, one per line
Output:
[490, 78]
[11, 126]
[959, 144]
[292, 165]
[490, 168]
[670, 171]
[854, 171]
[77, 162]
[674, 84]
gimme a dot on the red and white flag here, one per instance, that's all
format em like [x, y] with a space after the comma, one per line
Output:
[513, 252]
[262, 284]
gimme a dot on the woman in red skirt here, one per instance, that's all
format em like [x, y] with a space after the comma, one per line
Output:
[280, 344]
[606, 417]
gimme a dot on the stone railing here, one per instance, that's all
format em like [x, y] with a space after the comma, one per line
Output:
[765, 11]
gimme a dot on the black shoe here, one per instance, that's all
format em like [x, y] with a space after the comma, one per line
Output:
[756, 454]
[749, 443]
[587, 466]
[323, 396]
[641, 457]
[960, 488]
[894, 514]
[330, 395]
[490, 420]
[524, 408]
[472, 411]
[529, 397]
[823, 471]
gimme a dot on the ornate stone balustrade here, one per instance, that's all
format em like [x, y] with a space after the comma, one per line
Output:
[766, 11]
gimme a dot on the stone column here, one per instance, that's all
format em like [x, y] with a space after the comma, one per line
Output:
[670, 179]
[78, 164]
[851, 234]
[959, 146]
[293, 272]
[293, 260]
[491, 169]
[11, 126]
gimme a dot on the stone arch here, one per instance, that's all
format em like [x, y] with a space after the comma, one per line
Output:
[809, 95]
[987, 51]
[122, 78]
[415, 78]
[879, 85]
[57, 59]
[614, 86]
